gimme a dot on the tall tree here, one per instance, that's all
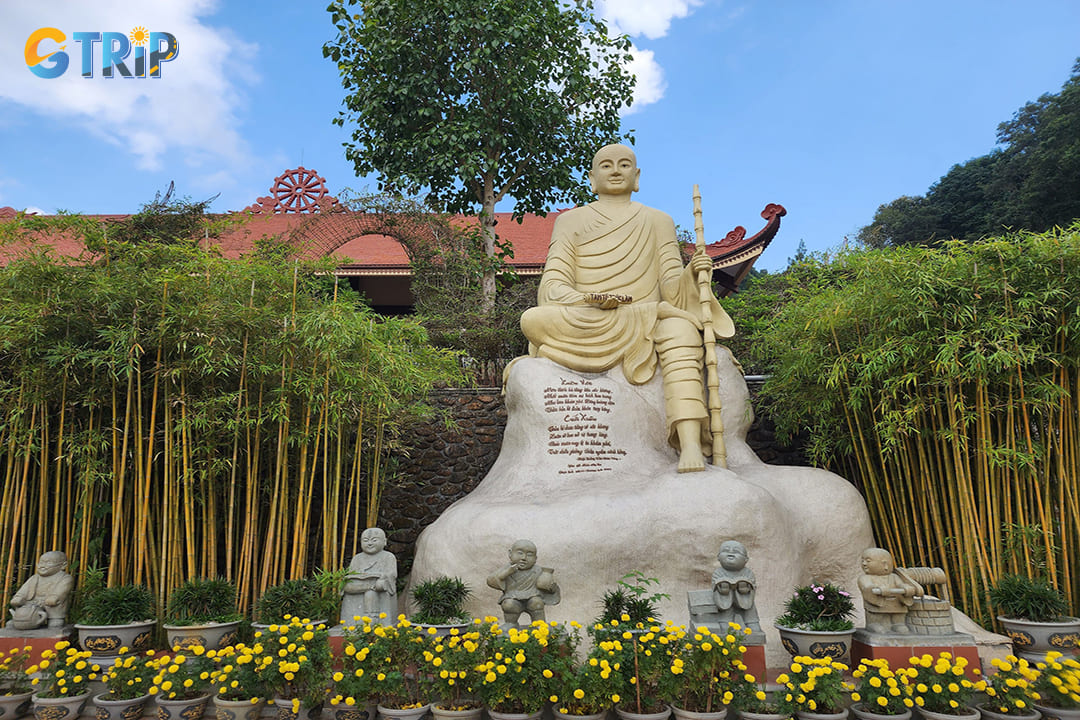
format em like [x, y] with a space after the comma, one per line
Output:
[474, 101]
[1030, 182]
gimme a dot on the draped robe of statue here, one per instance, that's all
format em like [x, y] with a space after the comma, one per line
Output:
[628, 250]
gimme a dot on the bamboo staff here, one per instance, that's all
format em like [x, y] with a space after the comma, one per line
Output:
[716, 424]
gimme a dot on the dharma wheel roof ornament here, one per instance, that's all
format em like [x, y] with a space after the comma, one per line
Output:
[296, 191]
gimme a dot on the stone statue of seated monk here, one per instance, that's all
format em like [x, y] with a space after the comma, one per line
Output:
[614, 291]
[371, 587]
[43, 599]
[525, 586]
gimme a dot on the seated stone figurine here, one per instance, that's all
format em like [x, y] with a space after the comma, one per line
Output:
[525, 586]
[371, 588]
[887, 594]
[734, 586]
[43, 599]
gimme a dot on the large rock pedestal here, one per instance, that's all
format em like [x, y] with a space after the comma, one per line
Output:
[586, 474]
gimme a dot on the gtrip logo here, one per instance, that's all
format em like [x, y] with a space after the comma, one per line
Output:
[46, 58]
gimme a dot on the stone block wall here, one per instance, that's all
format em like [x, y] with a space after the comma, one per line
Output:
[441, 464]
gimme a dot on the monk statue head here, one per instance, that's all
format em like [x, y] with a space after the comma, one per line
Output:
[614, 172]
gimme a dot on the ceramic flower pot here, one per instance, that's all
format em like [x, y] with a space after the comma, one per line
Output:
[863, 712]
[440, 713]
[566, 716]
[120, 709]
[1052, 713]
[285, 710]
[182, 708]
[238, 709]
[628, 715]
[212, 636]
[61, 708]
[989, 713]
[16, 705]
[681, 714]
[817, 644]
[105, 641]
[386, 713]
[805, 715]
[496, 715]
[966, 713]
[354, 712]
[746, 715]
[1032, 640]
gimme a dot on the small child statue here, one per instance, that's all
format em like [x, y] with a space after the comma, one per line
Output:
[43, 599]
[371, 587]
[525, 587]
[734, 586]
[886, 594]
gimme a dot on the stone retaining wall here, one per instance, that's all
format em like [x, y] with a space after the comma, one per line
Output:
[442, 463]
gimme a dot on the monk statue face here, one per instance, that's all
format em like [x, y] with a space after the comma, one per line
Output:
[732, 555]
[523, 555]
[614, 172]
[877, 562]
[373, 541]
[50, 563]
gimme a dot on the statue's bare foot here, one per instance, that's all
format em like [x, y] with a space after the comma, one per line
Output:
[691, 458]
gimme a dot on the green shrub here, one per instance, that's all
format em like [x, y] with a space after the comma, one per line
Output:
[1024, 598]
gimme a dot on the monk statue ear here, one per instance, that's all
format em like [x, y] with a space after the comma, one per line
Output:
[637, 180]
[592, 183]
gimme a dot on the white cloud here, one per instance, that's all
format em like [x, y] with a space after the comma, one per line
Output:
[650, 85]
[651, 18]
[191, 107]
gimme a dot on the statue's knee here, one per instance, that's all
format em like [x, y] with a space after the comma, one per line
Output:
[511, 605]
[535, 604]
[677, 332]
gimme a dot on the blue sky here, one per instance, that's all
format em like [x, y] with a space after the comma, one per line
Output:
[829, 107]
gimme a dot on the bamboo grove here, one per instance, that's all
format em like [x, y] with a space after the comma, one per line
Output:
[165, 414]
[948, 379]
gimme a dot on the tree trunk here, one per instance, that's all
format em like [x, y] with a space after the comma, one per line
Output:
[487, 236]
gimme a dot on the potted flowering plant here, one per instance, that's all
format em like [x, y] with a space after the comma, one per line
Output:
[881, 691]
[240, 681]
[1058, 687]
[181, 683]
[818, 615]
[299, 669]
[518, 673]
[127, 687]
[815, 688]
[450, 661]
[64, 679]
[397, 650]
[643, 653]
[1010, 691]
[584, 690]
[15, 687]
[705, 668]
[942, 691]
[754, 703]
[353, 695]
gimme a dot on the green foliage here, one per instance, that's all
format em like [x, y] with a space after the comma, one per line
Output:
[632, 599]
[819, 607]
[441, 601]
[948, 377]
[1024, 598]
[163, 406]
[119, 605]
[202, 600]
[301, 598]
[1031, 182]
[473, 101]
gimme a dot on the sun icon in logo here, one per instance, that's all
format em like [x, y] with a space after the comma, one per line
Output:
[139, 35]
